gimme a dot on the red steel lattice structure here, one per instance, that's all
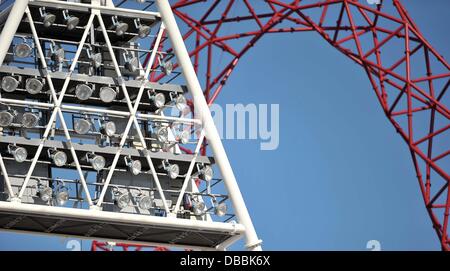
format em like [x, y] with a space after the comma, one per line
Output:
[408, 76]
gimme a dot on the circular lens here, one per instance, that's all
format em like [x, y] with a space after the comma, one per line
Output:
[173, 171]
[6, 118]
[22, 50]
[82, 126]
[121, 28]
[180, 102]
[49, 19]
[9, 84]
[198, 207]
[59, 158]
[83, 92]
[34, 85]
[20, 154]
[29, 120]
[96, 60]
[45, 193]
[109, 128]
[184, 136]
[162, 134]
[72, 22]
[207, 173]
[220, 209]
[58, 55]
[144, 31]
[132, 65]
[168, 67]
[159, 100]
[98, 162]
[107, 94]
[145, 202]
[123, 200]
[62, 197]
[135, 167]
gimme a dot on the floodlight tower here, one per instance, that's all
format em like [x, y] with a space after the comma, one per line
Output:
[90, 147]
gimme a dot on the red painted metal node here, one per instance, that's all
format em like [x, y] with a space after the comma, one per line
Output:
[108, 246]
[408, 76]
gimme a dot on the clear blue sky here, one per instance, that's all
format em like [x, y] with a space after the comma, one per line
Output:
[341, 175]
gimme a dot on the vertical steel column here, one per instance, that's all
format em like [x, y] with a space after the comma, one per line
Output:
[202, 111]
[11, 25]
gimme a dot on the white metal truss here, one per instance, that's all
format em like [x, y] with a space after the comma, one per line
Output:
[202, 117]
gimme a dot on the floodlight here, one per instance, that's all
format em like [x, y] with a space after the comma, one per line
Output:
[134, 166]
[30, 120]
[71, 21]
[22, 50]
[143, 30]
[96, 59]
[44, 192]
[34, 85]
[47, 18]
[97, 162]
[82, 126]
[59, 157]
[144, 202]
[107, 94]
[158, 99]
[206, 173]
[183, 136]
[61, 194]
[57, 53]
[108, 128]
[9, 83]
[121, 199]
[119, 27]
[167, 67]
[198, 207]
[173, 170]
[7, 117]
[83, 92]
[220, 209]
[131, 64]
[162, 134]
[19, 153]
[180, 102]
[62, 197]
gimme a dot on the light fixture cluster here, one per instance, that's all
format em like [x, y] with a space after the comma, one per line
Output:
[33, 85]
[85, 125]
[122, 199]
[198, 207]
[48, 18]
[84, 91]
[120, 27]
[59, 194]
[9, 116]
